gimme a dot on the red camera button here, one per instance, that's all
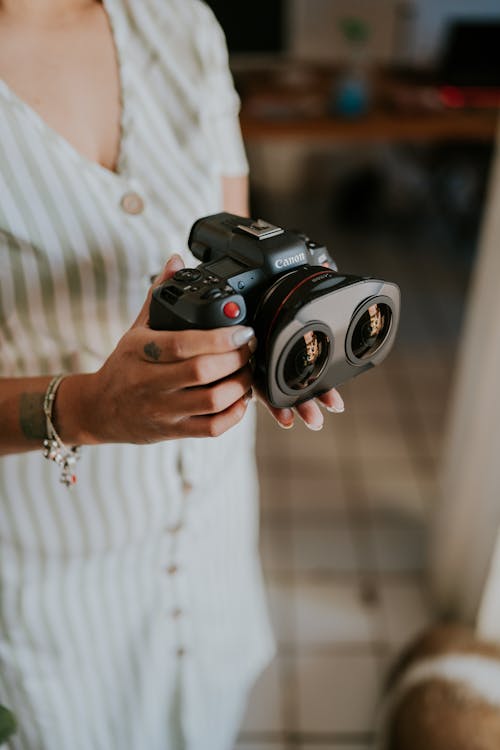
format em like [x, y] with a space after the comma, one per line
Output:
[231, 310]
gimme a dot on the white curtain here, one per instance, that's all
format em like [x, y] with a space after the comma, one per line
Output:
[464, 574]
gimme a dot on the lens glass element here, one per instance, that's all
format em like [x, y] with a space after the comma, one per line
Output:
[371, 330]
[306, 360]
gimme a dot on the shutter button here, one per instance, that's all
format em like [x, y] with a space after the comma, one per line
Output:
[132, 203]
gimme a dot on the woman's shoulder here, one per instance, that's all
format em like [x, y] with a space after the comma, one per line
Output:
[185, 31]
[191, 19]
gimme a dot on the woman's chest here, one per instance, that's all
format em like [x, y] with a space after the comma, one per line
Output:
[69, 76]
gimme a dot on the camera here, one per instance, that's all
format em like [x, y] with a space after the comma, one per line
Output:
[315, 327]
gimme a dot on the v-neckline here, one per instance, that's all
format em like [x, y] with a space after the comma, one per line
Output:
[61, 140]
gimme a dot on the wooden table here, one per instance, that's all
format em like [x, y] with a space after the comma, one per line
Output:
[396, 116]
[376, 127]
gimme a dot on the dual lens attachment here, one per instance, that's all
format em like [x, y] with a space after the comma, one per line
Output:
[309, 351]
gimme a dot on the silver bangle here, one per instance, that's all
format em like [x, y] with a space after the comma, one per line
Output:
[54, 449]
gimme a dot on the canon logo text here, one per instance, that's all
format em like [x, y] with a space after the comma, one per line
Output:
[291, 261]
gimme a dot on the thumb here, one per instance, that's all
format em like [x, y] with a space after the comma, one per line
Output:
[173, 264]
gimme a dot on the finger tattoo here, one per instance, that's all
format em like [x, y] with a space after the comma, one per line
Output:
[152, 351]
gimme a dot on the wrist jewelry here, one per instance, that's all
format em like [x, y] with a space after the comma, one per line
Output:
[54, 448]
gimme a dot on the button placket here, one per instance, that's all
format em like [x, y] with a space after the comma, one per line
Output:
[175, 571]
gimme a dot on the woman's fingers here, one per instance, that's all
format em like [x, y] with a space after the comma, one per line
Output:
[214, 425]
[198, 371]
[333, 401]
[284, 417]
[173, 264]
[215, 398]
[309, 411]
[176, 346]
[311, 414]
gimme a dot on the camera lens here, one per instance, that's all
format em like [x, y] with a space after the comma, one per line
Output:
[371, 330]
[306, 360]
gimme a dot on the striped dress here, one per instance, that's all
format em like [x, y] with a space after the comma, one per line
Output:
[132, 614]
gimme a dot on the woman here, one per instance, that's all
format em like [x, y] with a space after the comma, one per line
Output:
[132, 612]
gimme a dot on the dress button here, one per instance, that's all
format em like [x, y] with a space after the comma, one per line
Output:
[172, 570]
[181, 652]
[187, 487]
[176, 613]
[175, 528]
[132, 203]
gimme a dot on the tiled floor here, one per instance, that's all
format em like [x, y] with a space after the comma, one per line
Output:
[345, 511]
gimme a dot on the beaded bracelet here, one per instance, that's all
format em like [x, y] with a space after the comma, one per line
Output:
[54, 448]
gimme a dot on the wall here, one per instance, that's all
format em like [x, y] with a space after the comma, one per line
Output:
[403, 30]
[314, 32]
[430, 17]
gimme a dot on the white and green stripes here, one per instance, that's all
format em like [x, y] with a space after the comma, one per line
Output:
[88, 635]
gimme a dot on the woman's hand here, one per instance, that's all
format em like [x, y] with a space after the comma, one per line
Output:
[309, 411]
[158, 385]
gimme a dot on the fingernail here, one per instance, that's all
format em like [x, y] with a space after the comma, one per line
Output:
[337, 407]
[243, 336]
[252, 345]
[287, 415]
[315, 426]
[174, 258]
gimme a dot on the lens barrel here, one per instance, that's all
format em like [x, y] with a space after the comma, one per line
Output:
[368, 330]
[306, 360]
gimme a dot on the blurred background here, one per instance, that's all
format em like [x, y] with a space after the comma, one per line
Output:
[370, 125]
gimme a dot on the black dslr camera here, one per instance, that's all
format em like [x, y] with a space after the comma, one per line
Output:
[315, 327]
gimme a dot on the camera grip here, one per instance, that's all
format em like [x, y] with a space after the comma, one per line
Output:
[190, 309]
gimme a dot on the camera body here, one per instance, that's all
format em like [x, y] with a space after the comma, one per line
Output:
[315, 327]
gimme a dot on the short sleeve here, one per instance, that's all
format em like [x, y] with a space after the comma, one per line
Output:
[221, 104]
